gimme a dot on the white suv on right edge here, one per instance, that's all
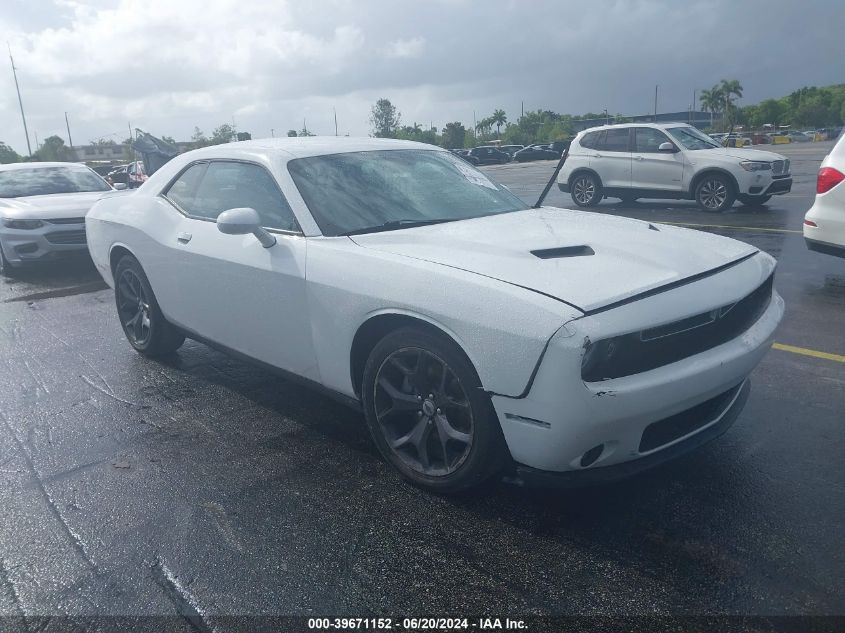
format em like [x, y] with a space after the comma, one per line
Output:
[671, 160]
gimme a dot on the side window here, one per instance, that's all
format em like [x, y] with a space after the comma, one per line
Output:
[649, 140]
[615, 140]
[227, 185]
[183, 191]
[591, 140]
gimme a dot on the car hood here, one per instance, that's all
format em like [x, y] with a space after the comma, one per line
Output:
[587, 260]
[57, 205]
[740, 153]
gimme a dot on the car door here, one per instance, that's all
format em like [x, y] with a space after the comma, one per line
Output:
[611, 158]
[229, 289]
[653, 169]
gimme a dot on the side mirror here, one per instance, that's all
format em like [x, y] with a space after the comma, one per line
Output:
[666, 147]
[244, 220]
[120, 186]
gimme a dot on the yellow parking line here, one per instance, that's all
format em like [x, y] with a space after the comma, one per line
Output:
[727, 226]
[809, 352]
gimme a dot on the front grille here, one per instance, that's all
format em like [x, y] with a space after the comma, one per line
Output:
[66, 237]
[683, 423]
[66, 221]
[641, 351]
[777, 167]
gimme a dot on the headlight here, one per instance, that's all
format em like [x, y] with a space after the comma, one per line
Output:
[753, 165]
[26, 225]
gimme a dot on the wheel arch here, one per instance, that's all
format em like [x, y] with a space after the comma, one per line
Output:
[116, 253]
[581, 170]
[379, 325]
[713, 170]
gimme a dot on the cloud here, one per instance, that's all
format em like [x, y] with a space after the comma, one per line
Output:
[168, 65]
[406, 48]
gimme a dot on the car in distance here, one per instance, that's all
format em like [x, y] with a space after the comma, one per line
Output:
[42, 211]
[535, 152]
[824, 223]
[488, 155]
[672, 160]
[469, 328]
[510, 150]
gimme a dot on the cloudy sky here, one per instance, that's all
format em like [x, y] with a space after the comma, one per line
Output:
[169, 65]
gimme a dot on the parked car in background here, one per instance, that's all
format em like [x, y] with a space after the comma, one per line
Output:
[119, 175]
[824, 223]
[473, 333]
[42, 211]
[136, 174]
[464, 154]
[671, 160]
[535, 152]
[797, 137]
[510, 150]
[488, 155]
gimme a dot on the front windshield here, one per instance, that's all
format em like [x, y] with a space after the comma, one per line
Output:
[42, 181]
[691, 138]
[361, 190]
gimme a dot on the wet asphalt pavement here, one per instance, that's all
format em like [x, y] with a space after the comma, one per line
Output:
[201, 485]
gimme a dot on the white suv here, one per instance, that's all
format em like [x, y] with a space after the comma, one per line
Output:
[671, 160]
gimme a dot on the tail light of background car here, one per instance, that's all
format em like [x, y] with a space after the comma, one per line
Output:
[828, 179]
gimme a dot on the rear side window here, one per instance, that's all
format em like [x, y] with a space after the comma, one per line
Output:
[183, 191]
[615, 140]
[591, 140]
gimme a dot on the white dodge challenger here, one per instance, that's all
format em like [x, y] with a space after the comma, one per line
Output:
[478, 335]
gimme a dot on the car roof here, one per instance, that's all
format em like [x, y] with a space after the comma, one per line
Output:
[14, 166]
[660, 126]
[303, 147]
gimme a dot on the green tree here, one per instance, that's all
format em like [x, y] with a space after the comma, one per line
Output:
[730, 89]
[385, 119]
[711, 101]
[8, 155]
[198, 138]
[222, 134]
[498, 119]
[54, 149]
[304, 132]
[454, 135]
[167, 139]
[769, 111]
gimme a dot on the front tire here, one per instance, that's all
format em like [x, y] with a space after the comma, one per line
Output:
[428, 414]
[586, 190]
[714, 193]
[144, 325]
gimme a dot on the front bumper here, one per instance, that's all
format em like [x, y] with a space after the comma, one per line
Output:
[564, 424]
[47, 242]
[708, 431]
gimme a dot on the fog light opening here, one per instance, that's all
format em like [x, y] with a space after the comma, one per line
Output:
[591, 455]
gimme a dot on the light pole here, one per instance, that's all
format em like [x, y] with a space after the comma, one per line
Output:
[655, 102]
[20, 102]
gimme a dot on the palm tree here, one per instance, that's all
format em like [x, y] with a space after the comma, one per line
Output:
[498, 119]
[711, 101]
[730, 88]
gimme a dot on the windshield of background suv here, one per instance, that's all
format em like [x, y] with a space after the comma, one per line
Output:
[691, 138]
[42, 181]
[361, 190]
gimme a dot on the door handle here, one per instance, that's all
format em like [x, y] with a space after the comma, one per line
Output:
[183, 238]
[639, 157]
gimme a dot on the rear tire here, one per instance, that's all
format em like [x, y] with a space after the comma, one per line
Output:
[144, 325]
[428, 414]
[714, 193]
[586, 190]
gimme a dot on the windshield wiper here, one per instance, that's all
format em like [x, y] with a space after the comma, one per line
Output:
[396, 224]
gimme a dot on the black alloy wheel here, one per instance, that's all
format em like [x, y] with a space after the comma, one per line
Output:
[144, 325]
[428, 414]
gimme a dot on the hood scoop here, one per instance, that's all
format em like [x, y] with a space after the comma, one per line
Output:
[560, 252]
